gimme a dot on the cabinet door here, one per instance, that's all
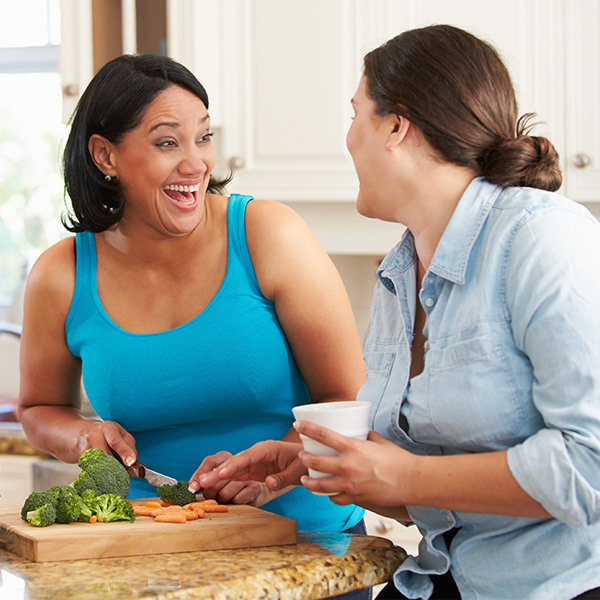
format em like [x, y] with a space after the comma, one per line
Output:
[582, 160]
[289, 71]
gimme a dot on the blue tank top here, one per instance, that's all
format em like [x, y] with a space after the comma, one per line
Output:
[222, 381]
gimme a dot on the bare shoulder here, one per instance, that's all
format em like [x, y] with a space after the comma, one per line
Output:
[277, 222]
[282, 247]
[53, 274]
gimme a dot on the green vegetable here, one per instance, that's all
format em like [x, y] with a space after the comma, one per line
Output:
[177, 493]
[68, 503]
[43, 516]
[88, 508]
[111, 507]
[101, 473]
[35, 500]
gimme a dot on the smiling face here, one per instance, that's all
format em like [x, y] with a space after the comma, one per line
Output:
[163, 165]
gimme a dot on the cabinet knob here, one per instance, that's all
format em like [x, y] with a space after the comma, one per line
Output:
[236, 163]
[71, 90]
[382, 527]
[581, 160]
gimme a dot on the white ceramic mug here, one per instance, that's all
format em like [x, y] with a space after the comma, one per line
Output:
[347, 418]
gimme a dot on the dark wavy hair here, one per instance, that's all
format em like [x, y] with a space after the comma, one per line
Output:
[455, 88]
[112, 105]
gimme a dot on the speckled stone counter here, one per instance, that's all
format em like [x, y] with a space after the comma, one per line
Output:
[319, 566]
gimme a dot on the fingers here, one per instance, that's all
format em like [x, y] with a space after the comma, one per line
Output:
[289, 476]
[238, 465]
[110, 437]
[325, 436]
[207, 467]
[235, 492]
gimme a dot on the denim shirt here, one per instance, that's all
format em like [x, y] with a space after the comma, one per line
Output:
[512, 361]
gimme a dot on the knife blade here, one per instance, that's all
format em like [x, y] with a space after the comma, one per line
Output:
[155, 478]
[139, 469]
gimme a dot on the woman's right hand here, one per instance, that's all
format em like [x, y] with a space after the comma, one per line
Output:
[108, 436]
[274, 462]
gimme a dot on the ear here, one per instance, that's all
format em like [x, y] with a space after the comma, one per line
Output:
[400, 128]
[100, 150]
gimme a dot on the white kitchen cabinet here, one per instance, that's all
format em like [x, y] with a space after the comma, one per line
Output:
[280, 75]
[582, 88]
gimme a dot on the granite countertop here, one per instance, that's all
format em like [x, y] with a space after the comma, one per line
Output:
[319, 566]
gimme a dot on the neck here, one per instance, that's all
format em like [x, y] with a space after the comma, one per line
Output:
[434, 202]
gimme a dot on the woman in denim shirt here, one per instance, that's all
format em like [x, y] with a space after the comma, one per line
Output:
[483, 353]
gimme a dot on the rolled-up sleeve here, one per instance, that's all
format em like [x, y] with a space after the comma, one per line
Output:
[553, 296]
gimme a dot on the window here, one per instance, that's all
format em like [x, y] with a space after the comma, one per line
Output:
[31, 134]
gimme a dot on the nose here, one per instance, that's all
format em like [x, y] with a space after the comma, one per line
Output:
[197, 161]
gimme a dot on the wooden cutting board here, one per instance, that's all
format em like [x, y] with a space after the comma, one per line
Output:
[243, 526]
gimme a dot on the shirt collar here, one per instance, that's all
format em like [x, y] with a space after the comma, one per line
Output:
[454, 249]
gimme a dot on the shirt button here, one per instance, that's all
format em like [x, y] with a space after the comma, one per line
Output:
[429, 302]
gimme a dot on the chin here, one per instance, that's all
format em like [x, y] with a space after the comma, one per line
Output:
[362, 206]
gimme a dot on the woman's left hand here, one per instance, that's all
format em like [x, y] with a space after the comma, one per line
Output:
[254, 493]
[369, 472]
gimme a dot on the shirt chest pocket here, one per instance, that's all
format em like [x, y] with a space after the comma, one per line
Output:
[472, 393]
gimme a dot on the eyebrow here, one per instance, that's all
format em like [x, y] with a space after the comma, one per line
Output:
[174, 124]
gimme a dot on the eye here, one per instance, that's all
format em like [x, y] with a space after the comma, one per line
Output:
[166, 144]
[206, 138]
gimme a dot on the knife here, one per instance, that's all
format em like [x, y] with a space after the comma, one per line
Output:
[139, 469]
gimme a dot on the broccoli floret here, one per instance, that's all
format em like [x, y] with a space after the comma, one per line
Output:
[43, 516]
[177, 493]
[35, 500]
[111, 507]
[91, 455]
[101, 473]
[88, 507]
[68, 503]
[85, 482]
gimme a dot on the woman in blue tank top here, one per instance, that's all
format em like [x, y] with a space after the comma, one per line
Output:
[197, 321]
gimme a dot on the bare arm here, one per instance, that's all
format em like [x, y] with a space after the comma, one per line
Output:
[49, 396]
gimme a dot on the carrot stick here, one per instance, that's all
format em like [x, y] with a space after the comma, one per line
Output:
[144, 511]
[174, 508]
[171, 518]
[215, 508]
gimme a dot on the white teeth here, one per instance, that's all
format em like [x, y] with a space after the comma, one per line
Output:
[182, 188]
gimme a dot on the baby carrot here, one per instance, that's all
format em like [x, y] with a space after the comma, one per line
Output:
[215, 508]
[93, 519]
[190, 515]
[144, 511]
[153, 504]
[172, 517]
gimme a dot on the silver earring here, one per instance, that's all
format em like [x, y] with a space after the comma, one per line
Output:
[107, 178]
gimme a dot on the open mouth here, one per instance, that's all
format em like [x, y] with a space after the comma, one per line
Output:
[182, 194]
